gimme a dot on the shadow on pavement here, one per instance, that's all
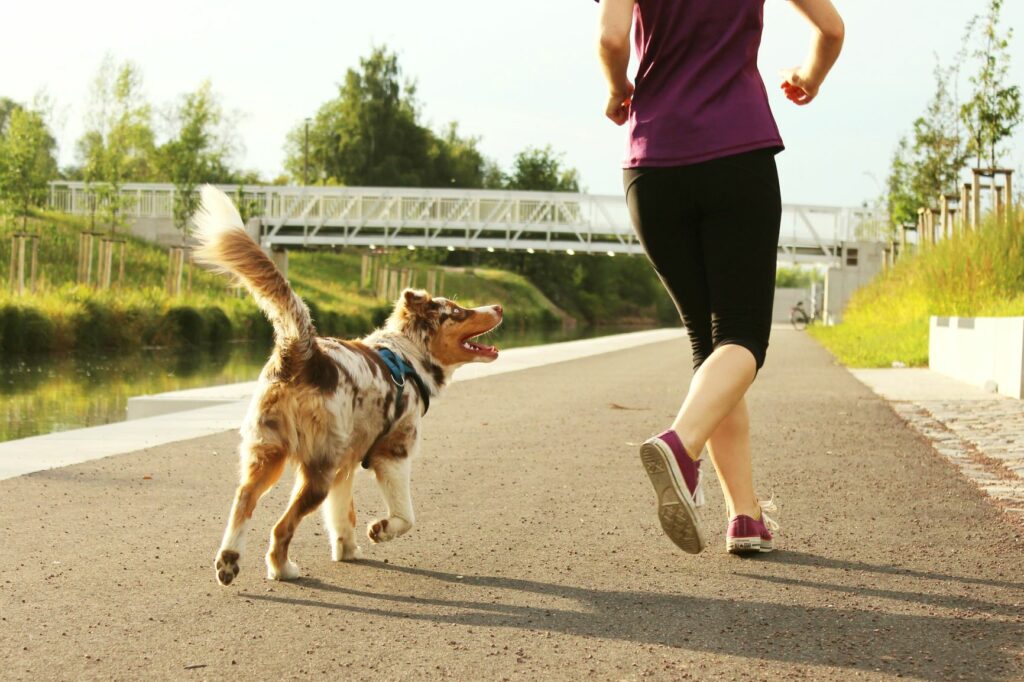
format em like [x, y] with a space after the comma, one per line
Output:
[803, 559]
[927, 646]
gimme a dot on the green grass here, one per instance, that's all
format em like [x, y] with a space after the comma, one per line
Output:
[971, 275]
[63, 315]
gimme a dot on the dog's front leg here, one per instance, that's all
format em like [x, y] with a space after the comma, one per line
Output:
[393, 475]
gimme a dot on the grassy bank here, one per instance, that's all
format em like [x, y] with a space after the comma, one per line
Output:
[63, 315]
[976, 274]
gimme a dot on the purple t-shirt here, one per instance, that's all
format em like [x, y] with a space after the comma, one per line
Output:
[699, 95]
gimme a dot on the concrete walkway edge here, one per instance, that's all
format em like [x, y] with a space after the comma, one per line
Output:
[174, 417]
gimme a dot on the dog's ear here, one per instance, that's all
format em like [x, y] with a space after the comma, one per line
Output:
[415, 299]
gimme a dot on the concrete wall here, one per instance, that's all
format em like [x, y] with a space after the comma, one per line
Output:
[984, 351]
[159, 230]
[842, 281]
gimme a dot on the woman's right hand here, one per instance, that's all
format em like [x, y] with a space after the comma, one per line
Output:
[798, 87]
[617, 109]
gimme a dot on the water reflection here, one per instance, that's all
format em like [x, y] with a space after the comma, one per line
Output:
[46, 394]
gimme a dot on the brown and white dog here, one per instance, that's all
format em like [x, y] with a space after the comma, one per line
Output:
[325, 405]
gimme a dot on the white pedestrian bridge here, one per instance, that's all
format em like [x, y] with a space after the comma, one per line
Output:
[461, 218]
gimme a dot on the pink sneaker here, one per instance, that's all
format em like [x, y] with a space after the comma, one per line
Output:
[750, 536]
[677, 485]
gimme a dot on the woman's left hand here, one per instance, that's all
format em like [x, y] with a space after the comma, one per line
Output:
[617, 109]
[798, 87]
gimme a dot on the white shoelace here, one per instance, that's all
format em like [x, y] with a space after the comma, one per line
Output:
[769, 506]
[698, 492]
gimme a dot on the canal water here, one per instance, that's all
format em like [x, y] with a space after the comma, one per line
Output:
[43, 394]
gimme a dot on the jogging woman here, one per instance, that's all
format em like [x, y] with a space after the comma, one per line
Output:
[703, 194]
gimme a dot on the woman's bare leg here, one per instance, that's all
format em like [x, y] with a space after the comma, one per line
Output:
[729, 447]
[715, 393]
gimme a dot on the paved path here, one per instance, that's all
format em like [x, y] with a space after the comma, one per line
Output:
[981, 433]
[538, 554]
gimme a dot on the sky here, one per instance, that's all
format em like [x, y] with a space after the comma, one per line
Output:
[514, 74]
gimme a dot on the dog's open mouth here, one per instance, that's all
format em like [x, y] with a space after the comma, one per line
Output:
[479, 348]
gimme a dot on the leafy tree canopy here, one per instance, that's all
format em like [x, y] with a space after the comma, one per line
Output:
[994, 110]
[371, 134]
[27, 156]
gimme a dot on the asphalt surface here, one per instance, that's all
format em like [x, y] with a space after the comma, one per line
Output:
[537, 553]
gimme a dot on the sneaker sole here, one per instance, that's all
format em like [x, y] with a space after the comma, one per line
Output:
[676, 511]
[752, 545]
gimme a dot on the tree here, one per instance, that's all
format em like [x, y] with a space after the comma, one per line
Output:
[939, 151]
[118, 145]
[370, 134]
[459, 163]
[928, 165]
[27, 157]
[901, 200]
[541, 169]
[994, 111]
[197, 152]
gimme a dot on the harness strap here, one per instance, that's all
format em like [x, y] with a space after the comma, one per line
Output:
[400, 372]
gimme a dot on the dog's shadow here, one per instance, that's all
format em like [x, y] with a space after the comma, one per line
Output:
[750, 624]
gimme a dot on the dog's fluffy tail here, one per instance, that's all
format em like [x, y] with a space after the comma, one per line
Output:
[224, 244]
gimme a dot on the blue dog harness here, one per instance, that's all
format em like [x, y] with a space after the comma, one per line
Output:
[400, 372]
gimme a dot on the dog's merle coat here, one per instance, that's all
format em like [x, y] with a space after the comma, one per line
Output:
[327, 404]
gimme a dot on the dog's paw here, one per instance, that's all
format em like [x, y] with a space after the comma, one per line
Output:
[290, 571]
[343, 552]
[226, 566]
[383, 530]
[377, 531]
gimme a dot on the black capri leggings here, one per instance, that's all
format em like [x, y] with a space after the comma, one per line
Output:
[711, 230]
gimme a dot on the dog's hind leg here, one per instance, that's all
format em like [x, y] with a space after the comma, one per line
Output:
[393, 475]
[261, 468]
[340, 517]
[311, 487]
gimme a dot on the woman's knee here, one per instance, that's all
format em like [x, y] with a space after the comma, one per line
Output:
[756, 348]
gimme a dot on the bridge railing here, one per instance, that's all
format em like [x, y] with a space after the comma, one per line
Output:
[456, 218]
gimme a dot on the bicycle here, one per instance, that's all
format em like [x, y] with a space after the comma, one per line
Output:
[798, 317]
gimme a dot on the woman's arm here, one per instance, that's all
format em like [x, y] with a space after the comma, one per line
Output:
[801, 85]
[613, 47]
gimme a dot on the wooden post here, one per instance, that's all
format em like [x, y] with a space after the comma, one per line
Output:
[191, 264]
[364, 271]
[108, 268]
[1010, 207]
[965, 211]
[10, 272]
[943, 213]
[997, 200]
[120, 275]
[393, 284]
[440, 286]
[35, 263]
[976, 200]
[21, 264]
[78, 271]
[88, 262]
[181, 269]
